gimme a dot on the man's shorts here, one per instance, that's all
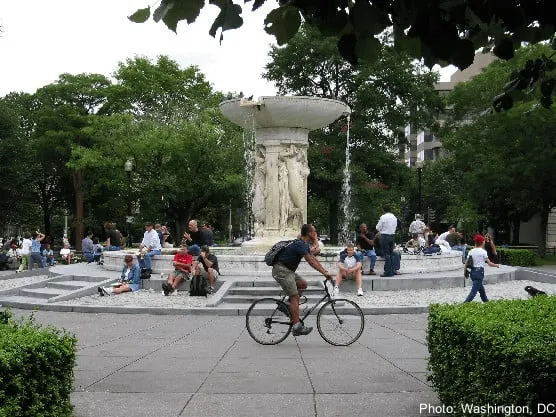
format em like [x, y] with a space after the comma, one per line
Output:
[286, 278]
[204, 273]
[178, 273]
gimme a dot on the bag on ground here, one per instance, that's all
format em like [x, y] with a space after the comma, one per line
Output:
[275, 250]
[198, 286]
[145, 274]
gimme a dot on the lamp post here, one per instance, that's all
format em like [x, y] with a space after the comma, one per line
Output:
[419, 165]
[128, 167]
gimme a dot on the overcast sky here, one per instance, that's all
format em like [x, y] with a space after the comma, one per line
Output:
[43, 39]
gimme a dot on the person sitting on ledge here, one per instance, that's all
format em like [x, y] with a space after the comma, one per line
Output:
[183, 261]
[207, 265]
[130, 280]
[66, 253]
[152, 246]
[349, 266]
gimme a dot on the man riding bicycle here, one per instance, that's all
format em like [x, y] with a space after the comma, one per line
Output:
[283, 271]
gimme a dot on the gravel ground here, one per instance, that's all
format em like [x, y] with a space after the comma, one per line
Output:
[9, 283]
[506, 290]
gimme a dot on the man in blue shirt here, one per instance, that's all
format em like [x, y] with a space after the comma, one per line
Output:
[283, 271]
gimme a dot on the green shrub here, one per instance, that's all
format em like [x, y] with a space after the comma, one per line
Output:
[36, 369]
[501, 353]
[517, 257]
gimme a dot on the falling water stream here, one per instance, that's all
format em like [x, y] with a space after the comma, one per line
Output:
[344, 236]
[249, 161]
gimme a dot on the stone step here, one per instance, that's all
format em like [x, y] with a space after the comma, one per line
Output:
[69, 285]
[269, 291]
[42, 292]
[249, 298]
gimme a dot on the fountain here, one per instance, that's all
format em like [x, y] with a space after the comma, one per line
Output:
[282, 126]
[279, 193]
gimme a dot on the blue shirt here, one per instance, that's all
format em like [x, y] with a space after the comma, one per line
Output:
[36, 246]
[291, 255]
[134, 277]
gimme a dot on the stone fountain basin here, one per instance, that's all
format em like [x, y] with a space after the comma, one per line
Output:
[233, 263]
[284, 111]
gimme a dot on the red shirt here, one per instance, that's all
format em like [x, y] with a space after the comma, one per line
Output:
[184, 258]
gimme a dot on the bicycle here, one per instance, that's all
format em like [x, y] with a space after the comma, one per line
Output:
[340, 322]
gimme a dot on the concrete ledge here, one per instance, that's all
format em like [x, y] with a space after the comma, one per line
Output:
[528, 274]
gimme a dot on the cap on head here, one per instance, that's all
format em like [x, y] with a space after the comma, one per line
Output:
[194, 250]
[479, 239]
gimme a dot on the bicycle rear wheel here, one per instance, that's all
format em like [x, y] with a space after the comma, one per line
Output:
[268, 321]
[340, 322]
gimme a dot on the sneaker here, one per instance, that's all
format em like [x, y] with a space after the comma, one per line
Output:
[336, 292]
[360, 291]
[175, 292]
[371, 272]
[106, 291]
[166, 288]
[301, 330]
[100, 292]
[211, 290]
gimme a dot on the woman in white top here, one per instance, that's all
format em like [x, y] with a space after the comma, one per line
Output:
[25, 252]
[480, 257]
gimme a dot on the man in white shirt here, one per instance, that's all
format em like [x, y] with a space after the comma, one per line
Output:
[149, 247]
[386, 226]
[417, 226]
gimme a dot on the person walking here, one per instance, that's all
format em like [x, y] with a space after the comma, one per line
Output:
[477, 275]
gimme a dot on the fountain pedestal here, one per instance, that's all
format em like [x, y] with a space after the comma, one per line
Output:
[282, 126]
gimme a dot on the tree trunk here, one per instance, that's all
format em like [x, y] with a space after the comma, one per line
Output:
[516, 223]
[46, 218]
[545, 212]
[79, 202]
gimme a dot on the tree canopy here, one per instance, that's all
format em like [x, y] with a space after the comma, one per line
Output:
[441, 32]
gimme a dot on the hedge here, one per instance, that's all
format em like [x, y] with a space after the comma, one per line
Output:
[517, 257]
[497, 353]
[36, 369]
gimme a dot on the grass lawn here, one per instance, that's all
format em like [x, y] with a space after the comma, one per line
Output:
[547, 260]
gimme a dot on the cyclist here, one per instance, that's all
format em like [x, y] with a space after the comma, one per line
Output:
[283, 271]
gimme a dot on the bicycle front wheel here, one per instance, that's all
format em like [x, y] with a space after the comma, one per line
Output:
[268, 321]
[340, 322]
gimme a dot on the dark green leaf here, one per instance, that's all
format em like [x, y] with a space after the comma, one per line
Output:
[463, 54]
[141, 15]
[257, 4]
[504, 49]
[368, 49]
[283, 23]
[180, 10]
[367, 19]
[411, 46]
[346, 47]
[228, 18]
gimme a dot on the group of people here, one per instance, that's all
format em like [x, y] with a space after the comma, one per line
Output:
[34, 249]
[192, 258]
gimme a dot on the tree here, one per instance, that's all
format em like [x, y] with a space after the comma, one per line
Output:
[384, 97]
[443, 32]
[513, 176]
[65, 109]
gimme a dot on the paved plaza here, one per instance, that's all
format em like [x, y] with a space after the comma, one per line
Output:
[197, 366]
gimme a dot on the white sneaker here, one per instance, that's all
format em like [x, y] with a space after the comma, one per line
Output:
[107, 291]
[336, 292]
[360, 291]
[175, 292]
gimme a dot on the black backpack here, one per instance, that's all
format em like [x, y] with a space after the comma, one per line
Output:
[275, 251]
[468, 266]
[199, 286]
[145, 273]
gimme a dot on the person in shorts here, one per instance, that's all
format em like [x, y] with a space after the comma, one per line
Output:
[283, 271]
[183, 262]
[207, 266]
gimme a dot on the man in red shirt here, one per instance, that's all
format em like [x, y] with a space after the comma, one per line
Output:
[182, 268]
